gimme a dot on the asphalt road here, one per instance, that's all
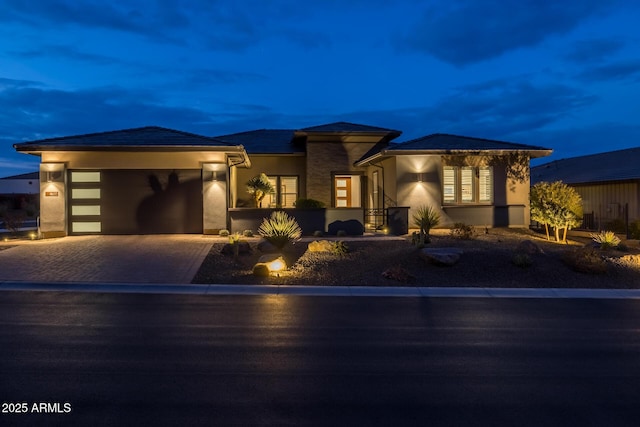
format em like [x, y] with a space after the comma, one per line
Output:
[127, 359]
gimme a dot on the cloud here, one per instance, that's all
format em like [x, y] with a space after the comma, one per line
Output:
[146, 18]
[594, 50]
[471, 31]
[621, 70]
[67, 52]
[578, 141]
[6, 83]
[31, 113]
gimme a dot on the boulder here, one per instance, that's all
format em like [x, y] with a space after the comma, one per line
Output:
[398, 273]
[265, 259]
[243, 248]
[320, 246]
[528, 247]
[266, 247]
[441, 256]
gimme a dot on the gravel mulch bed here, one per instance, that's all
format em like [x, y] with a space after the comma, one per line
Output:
[486, 262]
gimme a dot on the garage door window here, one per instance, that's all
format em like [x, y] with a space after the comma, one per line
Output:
[85, 202]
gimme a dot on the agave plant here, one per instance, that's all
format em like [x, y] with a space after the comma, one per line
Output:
[280, 229]
[606, 239]
[425, 218]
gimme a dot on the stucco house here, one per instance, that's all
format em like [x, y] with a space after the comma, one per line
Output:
[609, 184]
[157, 180]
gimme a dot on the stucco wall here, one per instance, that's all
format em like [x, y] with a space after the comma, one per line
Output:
[509, 193]
[133, 160]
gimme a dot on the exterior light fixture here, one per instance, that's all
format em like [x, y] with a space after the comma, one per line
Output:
[276, 265]
[419, 177]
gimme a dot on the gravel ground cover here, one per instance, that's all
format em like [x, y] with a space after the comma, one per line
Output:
[487, 261]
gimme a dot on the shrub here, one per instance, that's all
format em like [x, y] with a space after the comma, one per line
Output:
[13, 221]
[521, 260]
[223, 233]
[339, 248]
[606, 239]
[585, 260]
[341, 233]
[4, 208]
[30, 209]
[280, 229]
[425, 218]
[463, 231]
[247, 233]
[318, 233]
[308, 204]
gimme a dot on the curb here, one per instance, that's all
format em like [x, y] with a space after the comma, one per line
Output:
[342, 291]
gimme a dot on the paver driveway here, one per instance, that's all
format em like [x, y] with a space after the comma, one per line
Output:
[103, 259]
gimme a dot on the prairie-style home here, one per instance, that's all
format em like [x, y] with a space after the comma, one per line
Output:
[158, 180]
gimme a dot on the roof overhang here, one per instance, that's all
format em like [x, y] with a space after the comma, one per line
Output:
[384, 154]
[237, 155]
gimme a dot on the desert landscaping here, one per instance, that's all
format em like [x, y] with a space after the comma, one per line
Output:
[489, 258]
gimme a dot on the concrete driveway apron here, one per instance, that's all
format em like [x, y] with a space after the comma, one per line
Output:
[105, 259]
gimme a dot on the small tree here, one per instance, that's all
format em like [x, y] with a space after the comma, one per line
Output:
[556, 205]
[425, 218]
[259, 186]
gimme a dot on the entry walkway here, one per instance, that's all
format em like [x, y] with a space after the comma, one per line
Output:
[105, 259]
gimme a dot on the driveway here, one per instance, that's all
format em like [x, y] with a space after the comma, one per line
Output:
[104, 259]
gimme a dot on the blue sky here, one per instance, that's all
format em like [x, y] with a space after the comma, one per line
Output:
[560, 74]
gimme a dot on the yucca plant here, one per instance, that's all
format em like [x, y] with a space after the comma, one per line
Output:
[280, 229]
[425, 218]
[606, 239]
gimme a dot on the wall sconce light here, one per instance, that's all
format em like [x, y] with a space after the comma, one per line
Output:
[213, 176]
[419, 177]
[53, 176]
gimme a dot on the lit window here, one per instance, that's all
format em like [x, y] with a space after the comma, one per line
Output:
[467, 184]
[285, 192]
[485, 185]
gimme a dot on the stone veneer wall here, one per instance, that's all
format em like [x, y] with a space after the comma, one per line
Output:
[323, 158]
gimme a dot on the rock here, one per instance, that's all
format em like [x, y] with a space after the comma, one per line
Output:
[261, 270]
[529, 248]
[266, 247]
[320, 246]
[265, 259]
[398, 273]
[243, 248]
[441, 256]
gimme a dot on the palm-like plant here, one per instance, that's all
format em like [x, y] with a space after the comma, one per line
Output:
[280, 229]
[606, 239]
[425, 218]
[259, 186]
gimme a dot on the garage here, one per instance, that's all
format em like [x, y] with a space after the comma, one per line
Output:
[152, 201]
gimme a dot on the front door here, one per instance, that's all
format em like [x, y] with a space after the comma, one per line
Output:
[343, 191]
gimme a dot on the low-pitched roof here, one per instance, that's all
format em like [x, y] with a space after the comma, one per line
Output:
[617, 165]
[29, 175]
[149, 136]
[346, 127]
[263, 141]
[440, 143]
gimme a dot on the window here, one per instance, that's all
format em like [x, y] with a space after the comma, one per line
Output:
[467, 184]
[285, 194]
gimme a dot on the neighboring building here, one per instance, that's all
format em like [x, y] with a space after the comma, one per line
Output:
[608, 183]
[26, 183]
[156, 180]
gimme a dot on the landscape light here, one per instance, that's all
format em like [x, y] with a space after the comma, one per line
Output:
[277, 264]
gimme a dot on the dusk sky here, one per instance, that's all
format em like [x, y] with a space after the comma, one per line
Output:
[559, 74]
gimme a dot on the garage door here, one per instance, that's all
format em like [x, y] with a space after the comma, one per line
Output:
[135, 201]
